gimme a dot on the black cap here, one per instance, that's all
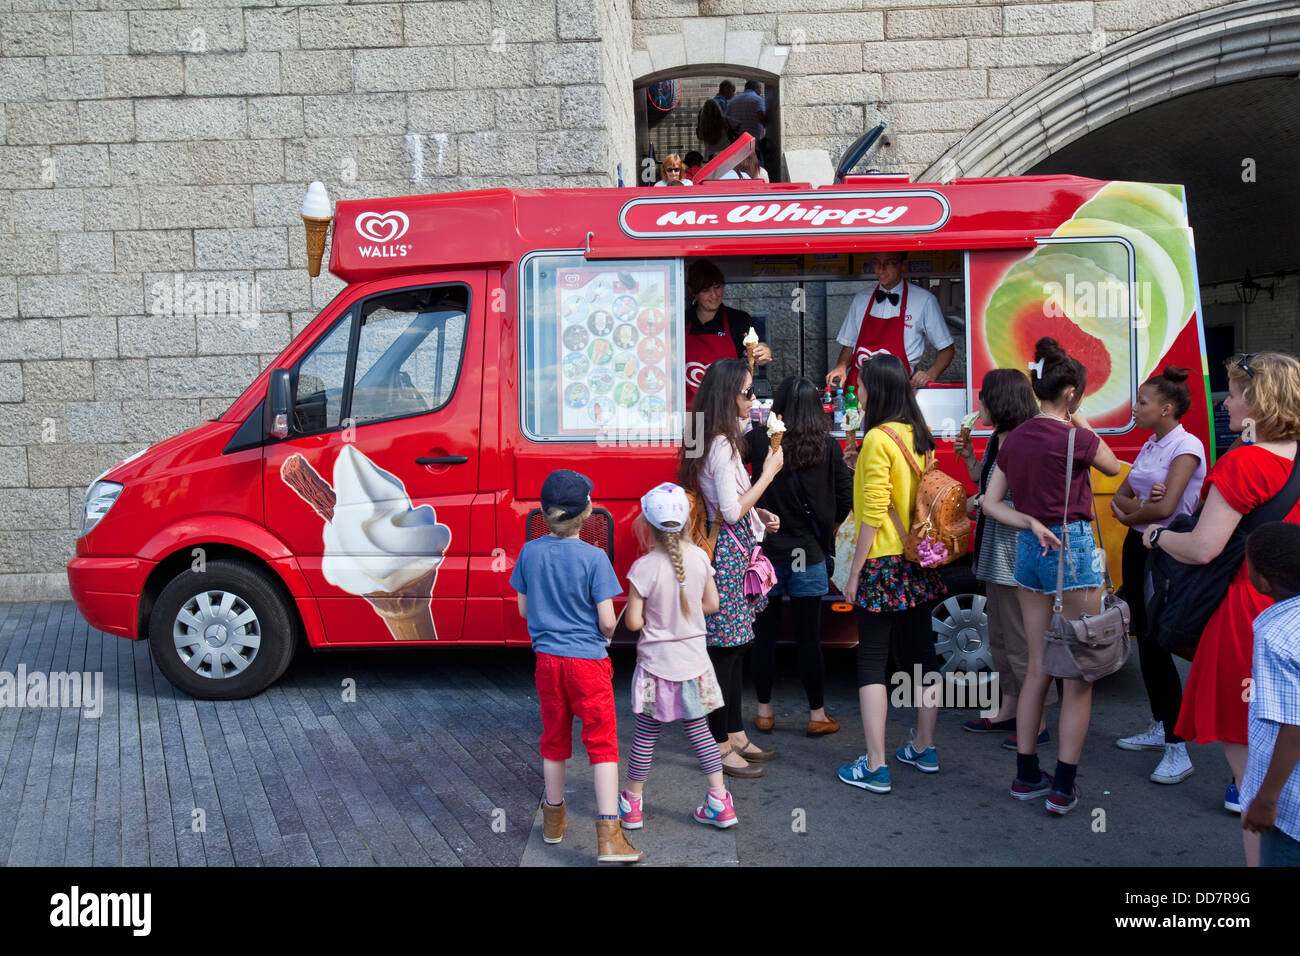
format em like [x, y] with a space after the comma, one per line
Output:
[568, 491]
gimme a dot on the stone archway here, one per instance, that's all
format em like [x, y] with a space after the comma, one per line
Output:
[1227, 44]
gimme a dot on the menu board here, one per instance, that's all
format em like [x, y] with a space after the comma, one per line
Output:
[615, 348]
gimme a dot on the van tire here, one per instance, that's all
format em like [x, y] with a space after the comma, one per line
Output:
[235, 602]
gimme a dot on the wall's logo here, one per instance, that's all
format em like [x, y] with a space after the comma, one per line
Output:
[383, 226]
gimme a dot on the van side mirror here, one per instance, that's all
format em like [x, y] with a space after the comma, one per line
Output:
[279, 397]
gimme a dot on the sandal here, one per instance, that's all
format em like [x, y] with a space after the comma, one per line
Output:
[753, 753]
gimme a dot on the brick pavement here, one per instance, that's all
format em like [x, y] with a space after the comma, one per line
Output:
[410, 773]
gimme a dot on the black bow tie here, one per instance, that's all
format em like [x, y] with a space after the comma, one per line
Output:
[882, 295]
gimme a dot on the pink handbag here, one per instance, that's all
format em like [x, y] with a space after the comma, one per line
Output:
[760, 576]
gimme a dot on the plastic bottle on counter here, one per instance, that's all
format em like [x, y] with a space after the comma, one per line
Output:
[837, 409]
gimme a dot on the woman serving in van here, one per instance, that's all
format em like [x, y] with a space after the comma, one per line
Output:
[713, 331]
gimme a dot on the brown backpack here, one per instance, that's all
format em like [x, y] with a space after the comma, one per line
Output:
[697, 525]
[939, 515]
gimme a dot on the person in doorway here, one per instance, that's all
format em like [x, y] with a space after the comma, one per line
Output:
[672, 172]
[749, 113]
[872, 326]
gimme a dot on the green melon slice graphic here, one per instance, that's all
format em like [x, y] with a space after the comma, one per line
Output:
[1056, 294]
[1160, 288]
[1158, 212]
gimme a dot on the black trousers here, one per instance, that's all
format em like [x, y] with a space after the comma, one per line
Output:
[729, 666]
[1159, 673]
[807, 631]
[890, 641]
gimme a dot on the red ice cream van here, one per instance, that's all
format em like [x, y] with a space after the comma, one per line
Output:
[372, 487]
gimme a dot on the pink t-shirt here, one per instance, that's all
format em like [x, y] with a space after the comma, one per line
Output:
[1152, 465]
[672, 644]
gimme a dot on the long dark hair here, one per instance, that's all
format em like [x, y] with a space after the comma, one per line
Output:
[716, 402]
[1060, 371]
[806, 426]
[1009, 398]
[887, 397]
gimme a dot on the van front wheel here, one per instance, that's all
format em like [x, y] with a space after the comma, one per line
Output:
[223, 633]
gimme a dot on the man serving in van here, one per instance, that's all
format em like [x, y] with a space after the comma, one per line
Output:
[872, 325]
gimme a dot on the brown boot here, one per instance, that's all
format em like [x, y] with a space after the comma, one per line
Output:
[613, 846]
[553, 821]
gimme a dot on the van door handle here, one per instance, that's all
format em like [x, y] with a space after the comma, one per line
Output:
[443, 460]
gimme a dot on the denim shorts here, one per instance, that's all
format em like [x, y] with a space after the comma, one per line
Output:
[813, 581]
[1036, 571]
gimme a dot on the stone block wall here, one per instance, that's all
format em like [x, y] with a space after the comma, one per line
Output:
[153, 157]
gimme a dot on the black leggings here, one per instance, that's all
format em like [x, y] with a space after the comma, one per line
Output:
[807, 631]
[1159, 673]
[729, 666]
[889, 641]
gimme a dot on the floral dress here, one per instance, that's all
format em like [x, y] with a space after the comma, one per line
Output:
[733, 625]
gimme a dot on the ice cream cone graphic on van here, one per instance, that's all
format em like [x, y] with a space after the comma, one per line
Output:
[376, 545]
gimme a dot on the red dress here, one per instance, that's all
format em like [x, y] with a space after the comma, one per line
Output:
[1214, 701]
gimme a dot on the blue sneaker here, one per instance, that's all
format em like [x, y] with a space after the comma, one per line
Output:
[856, 774]
[1232, 798]
[926, 760]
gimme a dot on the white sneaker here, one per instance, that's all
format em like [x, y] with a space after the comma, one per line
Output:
[1174, 767]
[1153, 738]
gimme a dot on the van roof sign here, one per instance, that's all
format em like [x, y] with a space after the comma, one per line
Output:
[791, 214]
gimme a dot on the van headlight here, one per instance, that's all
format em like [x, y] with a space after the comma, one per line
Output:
[99, 498]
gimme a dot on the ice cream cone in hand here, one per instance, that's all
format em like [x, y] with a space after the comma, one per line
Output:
[775, 431]
[967, 424]
[750, 342]
[852, 419]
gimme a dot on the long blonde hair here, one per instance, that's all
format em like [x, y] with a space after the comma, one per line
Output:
[669, 542]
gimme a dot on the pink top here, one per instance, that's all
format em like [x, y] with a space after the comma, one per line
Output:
[672, 644]
[723, 479]
[1152, 466]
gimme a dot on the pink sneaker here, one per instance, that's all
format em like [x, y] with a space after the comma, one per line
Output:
[629, 810]
[718, 813]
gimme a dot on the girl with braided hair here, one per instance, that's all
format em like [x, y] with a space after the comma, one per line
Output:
[670, 589]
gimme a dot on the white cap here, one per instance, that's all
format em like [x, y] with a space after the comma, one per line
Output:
[666, 507]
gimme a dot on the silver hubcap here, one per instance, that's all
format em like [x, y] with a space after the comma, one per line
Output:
[961, 629]
[217, 634]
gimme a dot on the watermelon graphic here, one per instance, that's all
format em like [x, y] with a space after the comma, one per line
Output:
[1076, 302]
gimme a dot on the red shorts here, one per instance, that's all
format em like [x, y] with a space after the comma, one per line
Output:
[569, 687]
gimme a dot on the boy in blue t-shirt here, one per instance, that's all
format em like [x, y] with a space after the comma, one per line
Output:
[1270, 792]
[566, 590]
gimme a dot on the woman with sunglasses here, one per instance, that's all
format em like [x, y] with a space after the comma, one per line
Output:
[673, 171]
[720, 478]
[1264, 405]
[713, 331]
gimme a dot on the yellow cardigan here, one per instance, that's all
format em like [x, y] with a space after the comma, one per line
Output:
[881, 476]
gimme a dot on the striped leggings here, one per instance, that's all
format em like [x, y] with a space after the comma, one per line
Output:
[647, 733]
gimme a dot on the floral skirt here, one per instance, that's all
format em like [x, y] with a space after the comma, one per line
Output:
[733, 625]
[668, 700]
[893, 583]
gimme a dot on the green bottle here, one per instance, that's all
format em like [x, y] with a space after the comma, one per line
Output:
[851, 401]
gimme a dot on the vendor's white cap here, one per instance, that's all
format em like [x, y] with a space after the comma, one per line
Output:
[317, 203]
[666, 507]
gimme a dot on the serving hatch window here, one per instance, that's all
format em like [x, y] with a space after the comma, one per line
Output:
[602, 348]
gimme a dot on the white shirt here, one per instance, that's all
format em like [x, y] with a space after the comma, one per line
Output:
[723, 480]
[1152, 465]
[923, 322]
[664, 182]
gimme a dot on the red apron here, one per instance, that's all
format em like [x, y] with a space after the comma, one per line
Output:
[702, 351]
[880, 335]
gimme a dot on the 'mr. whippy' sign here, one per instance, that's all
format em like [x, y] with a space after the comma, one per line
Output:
[788, 214]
